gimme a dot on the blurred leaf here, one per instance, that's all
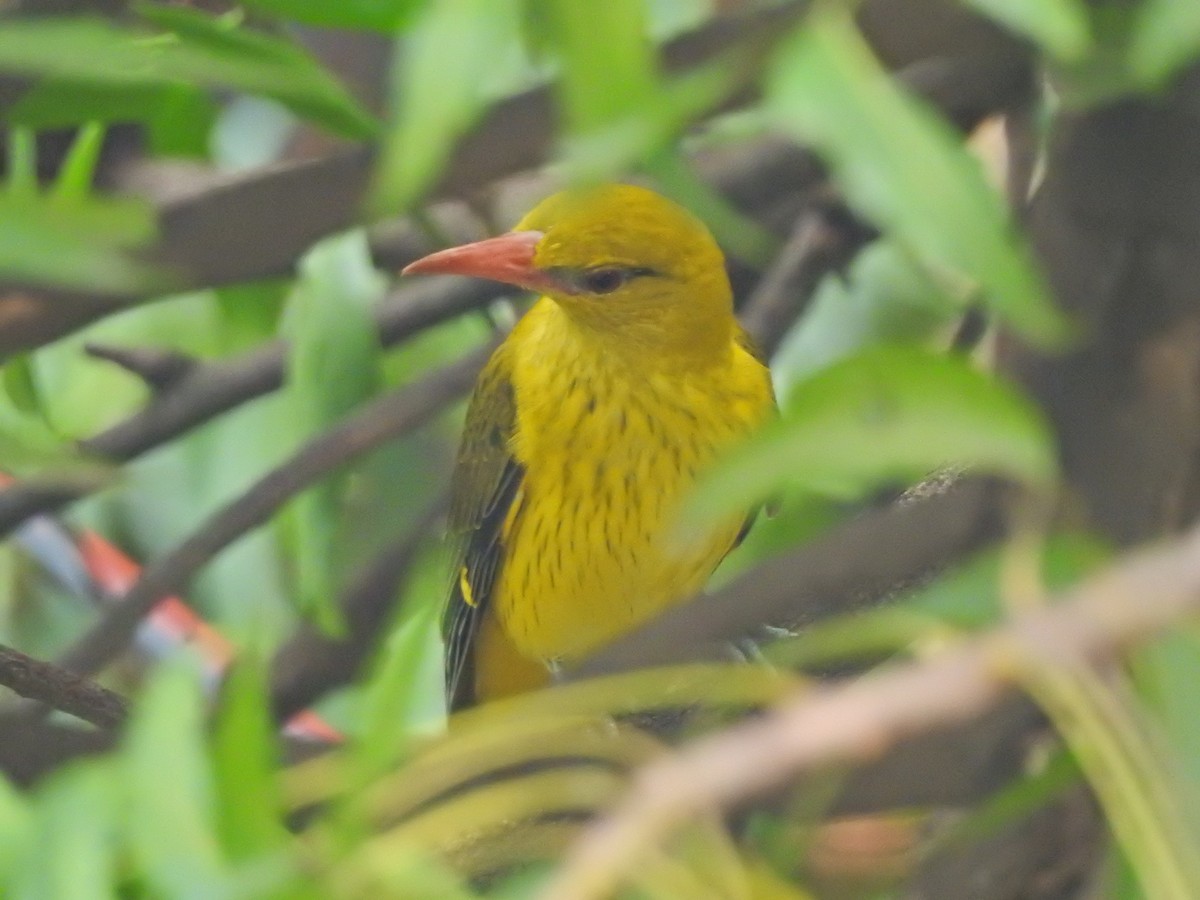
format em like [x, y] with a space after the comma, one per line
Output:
[194, 48]
[21, 386]
[905, 169]
[884, 416]
[17, 823]
[607, 61]
[1133, 772]
[172, 826]
[333, 365]
[29, 445]
[1059, 26]
[374, 15]
[397, 702]
[438, 89]
[1165, 38]
[244, 756]
[1167, 673]
[74, 179]
[75, 854]
[76, 243]
[21, 161]
[885, 298]
[178, 116]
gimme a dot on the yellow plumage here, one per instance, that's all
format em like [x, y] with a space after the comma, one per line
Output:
[587, 431]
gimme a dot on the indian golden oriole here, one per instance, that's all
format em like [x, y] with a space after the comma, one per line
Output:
[587, 429]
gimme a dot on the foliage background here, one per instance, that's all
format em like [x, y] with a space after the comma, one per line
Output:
[161, 280]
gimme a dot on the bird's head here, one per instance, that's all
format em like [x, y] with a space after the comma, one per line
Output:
[618, 257]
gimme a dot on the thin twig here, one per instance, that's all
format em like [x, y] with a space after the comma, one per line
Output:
[160, 368]
[367, 428]
[61, 689]
[859, 719]
[816, 247]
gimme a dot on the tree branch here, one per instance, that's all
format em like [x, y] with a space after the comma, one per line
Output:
[852, 566]
[858, 719]
[371, 425]
[209, 389]
[61, 689]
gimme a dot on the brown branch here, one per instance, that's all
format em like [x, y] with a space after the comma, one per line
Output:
[858, 719]
[209, 389]
[257, 225]
[61, 689]
[852, 566]
[371, 425]
[159, 368]
[816, 247]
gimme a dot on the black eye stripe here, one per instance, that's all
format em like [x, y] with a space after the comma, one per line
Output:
[600, 279]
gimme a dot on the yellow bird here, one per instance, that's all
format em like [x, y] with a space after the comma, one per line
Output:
[587, 430]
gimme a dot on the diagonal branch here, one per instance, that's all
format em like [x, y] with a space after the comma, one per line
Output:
[208, 389]
[859, 719]
[371, 425]
[61, 689]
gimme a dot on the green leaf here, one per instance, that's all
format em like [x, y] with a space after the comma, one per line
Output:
[438, 90]
[77, 243]
[607, 62]
[1166, 37]
[77, 830]
[333, 366]
[884, 416]
[398, 697]
[885, 298]
[178, 116]
[16, 833]
[244, 754]
[1059, 26]
[194, 48]
[1167, 673]
[172, 827]
[906, 170]
[74, 179]
[20, 384]
[374, 15]
[22, 161]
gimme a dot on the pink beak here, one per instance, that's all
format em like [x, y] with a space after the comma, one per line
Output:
[507, 258]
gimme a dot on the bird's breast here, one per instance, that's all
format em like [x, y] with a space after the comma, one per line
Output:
[610, 451]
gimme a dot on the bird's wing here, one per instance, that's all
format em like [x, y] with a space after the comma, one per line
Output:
[747, 343]
[485, 489]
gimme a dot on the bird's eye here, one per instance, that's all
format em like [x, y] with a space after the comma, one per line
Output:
[603, 280]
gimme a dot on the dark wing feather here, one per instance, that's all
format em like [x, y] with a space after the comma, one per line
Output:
[486, 482]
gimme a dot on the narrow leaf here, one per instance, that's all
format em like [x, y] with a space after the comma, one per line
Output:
[173, 831]
[375, 15]
[439, 88]
[906, 170]
[244, 754]
[333, 366]
[190, 47]
[884, 416]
